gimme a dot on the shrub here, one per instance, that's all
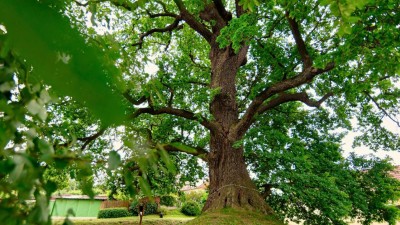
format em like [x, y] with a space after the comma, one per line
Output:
[191, 209]
[113, 213]
[167, 200]
[196, 196]
[163, 210]
[149, 208]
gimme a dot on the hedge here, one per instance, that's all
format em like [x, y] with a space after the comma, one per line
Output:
[167, 200]
[113, 213]
[150, 208]
[191, 209]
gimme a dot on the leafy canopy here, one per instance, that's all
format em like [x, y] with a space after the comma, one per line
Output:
[163, 65]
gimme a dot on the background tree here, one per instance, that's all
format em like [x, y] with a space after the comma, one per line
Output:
[237, 82]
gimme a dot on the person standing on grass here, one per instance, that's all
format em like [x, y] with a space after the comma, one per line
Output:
[141, 212]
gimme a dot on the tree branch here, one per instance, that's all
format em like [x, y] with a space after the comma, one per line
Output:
[284, 98]
[169, 28]
[239, 9]
[139, 101]
[89, 139]
[171, 91]
[116, 3]
[180, 147]
[382, 109]
[166, 14]
[301, 46]
[192, 22]
[221, 10]
[81, 4]
[304, 77]
[176, 112]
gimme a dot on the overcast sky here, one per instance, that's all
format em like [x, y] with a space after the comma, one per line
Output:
[395, 155]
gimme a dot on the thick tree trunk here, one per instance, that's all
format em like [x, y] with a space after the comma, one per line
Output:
[230, 183]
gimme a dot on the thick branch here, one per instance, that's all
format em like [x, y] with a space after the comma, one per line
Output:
[284, 98]
[221, 10]
[304, 77]
[169, 28]
[88, 140]
[301, 46]
[239, 8]
[139, 101]
[267, 189]
[176, 112]
[192, 22]
[166, 14]
[179, 147]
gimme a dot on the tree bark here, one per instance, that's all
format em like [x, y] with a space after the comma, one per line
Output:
[230, 183]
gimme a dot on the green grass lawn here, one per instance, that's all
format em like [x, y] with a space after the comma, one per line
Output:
[174, 217]
[222, 217]
[147, 220]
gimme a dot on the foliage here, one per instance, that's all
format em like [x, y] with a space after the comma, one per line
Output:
[199, 197]
[191, 209]
[164, 51]
[77, 68]
[113, 213]
[240, 30]
[318, 177]
[35, 158]
[167, 200]
[58, 177]
[164, 210]
[149, 208]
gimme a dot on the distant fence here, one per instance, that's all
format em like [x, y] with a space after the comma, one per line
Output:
[114, 204]
[126, 204]
[151, 199]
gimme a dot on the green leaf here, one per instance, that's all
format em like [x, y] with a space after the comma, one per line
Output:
[144, 186]
[168, 162]
[183, 147]
[62, 57]
[114, 160]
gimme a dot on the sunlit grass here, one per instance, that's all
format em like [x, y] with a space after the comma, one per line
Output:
[147, 220]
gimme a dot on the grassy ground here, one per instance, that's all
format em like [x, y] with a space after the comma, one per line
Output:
[234, 217]
[214, 218]
[147, 220]
[221, 217]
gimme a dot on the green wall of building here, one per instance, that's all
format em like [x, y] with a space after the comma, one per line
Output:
[81, 207]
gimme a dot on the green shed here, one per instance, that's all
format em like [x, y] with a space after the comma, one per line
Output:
[82, 206]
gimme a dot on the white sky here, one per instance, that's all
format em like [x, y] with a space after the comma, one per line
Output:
[395, 155]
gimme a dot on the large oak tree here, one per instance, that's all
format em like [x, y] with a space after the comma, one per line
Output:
[225, 67]
[263, 86]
